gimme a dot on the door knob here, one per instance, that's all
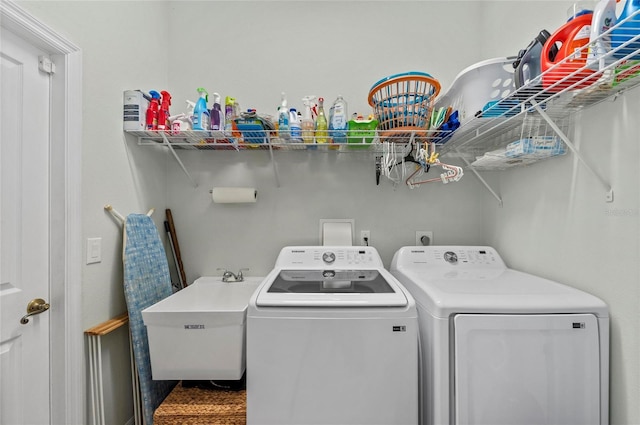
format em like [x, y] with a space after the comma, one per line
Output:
[35, 306]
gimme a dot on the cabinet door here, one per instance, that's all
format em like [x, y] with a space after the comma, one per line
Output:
[526, 369]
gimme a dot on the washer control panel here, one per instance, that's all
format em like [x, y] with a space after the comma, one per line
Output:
[323, 256]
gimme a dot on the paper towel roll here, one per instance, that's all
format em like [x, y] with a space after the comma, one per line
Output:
[231, 195]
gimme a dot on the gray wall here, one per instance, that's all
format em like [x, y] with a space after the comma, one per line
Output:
[554, 221]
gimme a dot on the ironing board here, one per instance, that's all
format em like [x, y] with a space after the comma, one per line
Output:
[146, 281]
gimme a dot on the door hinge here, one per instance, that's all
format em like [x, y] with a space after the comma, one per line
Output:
[46, 65]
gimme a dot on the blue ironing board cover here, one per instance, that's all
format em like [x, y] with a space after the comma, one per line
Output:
[146, 281]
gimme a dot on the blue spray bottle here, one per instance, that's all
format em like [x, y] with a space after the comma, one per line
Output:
[200, 117]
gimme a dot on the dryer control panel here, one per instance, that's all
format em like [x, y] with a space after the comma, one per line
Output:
[466, 256]
[335, 257]
[448, 256]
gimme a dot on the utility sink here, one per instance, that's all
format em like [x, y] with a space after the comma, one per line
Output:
[199, 333]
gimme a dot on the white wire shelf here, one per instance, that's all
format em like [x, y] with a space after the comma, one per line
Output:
[546, 106]
[532, 123]
[268, 140]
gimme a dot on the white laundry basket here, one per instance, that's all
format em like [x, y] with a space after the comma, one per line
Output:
[477, 86]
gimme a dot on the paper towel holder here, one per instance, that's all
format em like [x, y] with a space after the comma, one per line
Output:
[234, 195]
[348, 223]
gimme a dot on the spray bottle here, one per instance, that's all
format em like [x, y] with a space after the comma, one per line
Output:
[283, 119]
[182, 122]
[307, 120]
[163, 114]
[217, 117]
[179, 123]
[200, 119]
[152, 111]
[322, 126]
[604, 17]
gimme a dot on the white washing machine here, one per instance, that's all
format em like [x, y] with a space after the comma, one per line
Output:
[332, 338]
[501, 346]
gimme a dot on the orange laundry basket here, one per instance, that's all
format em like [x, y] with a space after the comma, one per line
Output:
[403, 102]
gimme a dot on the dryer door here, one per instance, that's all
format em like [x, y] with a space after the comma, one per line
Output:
[526, 369]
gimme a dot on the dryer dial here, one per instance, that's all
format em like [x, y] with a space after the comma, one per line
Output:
[451, 257]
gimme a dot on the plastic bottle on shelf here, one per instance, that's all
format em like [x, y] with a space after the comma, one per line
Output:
[163, 113]
[217, 117]
[283, 119]
[294, 126]
[627, 30]
[338, 121]
[322, 135]
[200, 119]
[228, 113]
[604, 17]
[307, 120]
[179, 123]
[152, 111]
[182, 122]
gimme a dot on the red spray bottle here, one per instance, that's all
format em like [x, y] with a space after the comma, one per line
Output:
[152, 110]
[163, 113]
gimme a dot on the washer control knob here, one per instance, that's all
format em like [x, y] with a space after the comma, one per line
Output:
[328, 273]
[451, 257]
[328, 257]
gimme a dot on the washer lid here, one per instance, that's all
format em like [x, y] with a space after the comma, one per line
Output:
[331, 288]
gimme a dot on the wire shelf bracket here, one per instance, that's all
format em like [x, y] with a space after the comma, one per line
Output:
[177, 158]
[574, 149]
[482, 180]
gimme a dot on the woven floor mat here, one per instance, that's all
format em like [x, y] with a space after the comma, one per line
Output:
[195, 406]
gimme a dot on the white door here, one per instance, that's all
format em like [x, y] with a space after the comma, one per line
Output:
[527, 369]
[24, 234]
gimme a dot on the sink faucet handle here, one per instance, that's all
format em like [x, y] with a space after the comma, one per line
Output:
[240, 277]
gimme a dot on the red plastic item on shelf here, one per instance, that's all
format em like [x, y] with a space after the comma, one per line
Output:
[567, 68]
[152, 111]
[163, 112]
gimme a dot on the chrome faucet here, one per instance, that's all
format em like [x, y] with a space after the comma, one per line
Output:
[229, 276]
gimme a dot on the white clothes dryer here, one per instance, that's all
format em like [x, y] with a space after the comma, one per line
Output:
[501, 346]
[332, 338]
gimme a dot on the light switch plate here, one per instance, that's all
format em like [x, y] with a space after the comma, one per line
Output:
[94, 250]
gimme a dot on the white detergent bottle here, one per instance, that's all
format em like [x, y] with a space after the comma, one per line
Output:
[604, 17]
[338, 120]
[295, 126]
